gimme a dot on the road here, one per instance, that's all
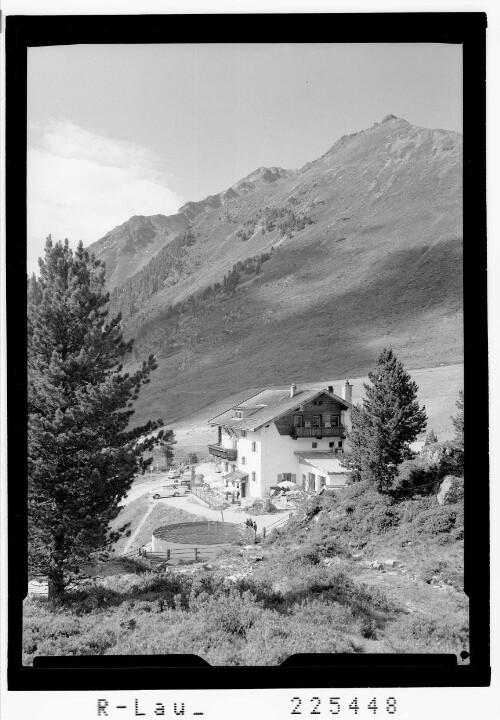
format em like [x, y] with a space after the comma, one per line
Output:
[194, 505]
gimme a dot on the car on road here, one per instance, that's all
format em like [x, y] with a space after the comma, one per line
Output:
[170, 491]
[172, 474]
[185, 483]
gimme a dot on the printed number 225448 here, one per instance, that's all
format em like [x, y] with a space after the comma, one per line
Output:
[333, 706]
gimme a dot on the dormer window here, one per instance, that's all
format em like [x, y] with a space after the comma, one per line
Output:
[238, 413]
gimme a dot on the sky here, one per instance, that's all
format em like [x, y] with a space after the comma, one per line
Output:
[122, 130]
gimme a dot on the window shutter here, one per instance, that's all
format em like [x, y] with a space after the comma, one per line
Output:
[280, 478]
[294, 478]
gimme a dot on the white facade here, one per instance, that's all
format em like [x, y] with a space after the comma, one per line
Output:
[265, 454]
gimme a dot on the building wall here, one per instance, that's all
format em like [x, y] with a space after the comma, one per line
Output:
[274, 453]
[337, 480]
[227, 441]
[253, 461]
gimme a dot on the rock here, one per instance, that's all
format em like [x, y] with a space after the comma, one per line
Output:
[451, 490]
[234, 578]
[208, 566]
[356, 556]
[390, 563]
[376, 565]
[391, 572]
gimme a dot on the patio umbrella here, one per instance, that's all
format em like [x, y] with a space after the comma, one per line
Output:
[287, 484]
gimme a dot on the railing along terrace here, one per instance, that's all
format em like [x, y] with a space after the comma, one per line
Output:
[223, 452]
[338, 431]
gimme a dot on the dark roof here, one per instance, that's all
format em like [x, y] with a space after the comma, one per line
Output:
[234, 476]
[269, 405]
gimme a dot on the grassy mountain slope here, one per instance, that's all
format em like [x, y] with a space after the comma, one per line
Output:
[365, 250]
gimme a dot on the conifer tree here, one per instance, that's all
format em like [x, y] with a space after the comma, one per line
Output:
[388, 421]
[431, 438]
[458, 424]
[81, 455]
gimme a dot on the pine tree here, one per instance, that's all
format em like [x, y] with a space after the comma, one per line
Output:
[81, 455]
[458, 420]
[389, 420]
[431, 438]
[458, 424]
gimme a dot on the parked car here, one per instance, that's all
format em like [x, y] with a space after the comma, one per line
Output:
[185, 483]
[172, 474]
[170, 491]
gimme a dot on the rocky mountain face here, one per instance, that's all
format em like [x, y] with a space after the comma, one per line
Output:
[299, 275]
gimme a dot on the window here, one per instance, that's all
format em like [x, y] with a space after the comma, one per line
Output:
[243, 460]
[297, 421]
[304, 481]
[316, 420]
[327, 419]
[253, 477]
[331, 445]
[238, 413]
[254, 446]
[340, 443]
[335, 421]
[315, 444]
[226, 467]
[322, 481]
[307, 422]
[243, 433]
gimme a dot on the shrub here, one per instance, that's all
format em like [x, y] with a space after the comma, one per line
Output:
[435, 521]
[230, 612]
[418, 633]
[416, 477]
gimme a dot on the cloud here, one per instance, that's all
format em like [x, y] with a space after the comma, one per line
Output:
[81, 185]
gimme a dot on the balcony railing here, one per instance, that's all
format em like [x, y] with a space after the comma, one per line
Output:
[223, 452]
[306, 432]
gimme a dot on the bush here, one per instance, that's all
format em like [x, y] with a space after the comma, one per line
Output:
[435, 521]
[416, 477]
[261, 507]
[418, 633]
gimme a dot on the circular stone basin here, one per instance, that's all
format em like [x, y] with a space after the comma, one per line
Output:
[196, 534]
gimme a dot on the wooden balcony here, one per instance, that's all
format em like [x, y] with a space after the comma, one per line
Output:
[318, 432]
[229, 454]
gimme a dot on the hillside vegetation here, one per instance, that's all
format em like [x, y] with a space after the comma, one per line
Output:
[362, 248]
[353, 573]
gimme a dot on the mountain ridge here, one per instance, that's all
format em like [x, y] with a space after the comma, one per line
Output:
[310, 272]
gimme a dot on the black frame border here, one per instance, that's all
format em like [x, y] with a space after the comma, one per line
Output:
[145, 672]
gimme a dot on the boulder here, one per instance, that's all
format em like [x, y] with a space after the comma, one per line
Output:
[451, 490]
[390, 563]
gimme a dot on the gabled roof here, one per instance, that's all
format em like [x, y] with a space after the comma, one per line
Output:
[269, 405]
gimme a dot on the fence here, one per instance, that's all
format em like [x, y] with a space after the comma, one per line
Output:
[214, 500]
[275, 525]
[195, 553]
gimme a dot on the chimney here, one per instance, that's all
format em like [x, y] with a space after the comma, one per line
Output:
[293, 389]
[347, 392]
[330, 389]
